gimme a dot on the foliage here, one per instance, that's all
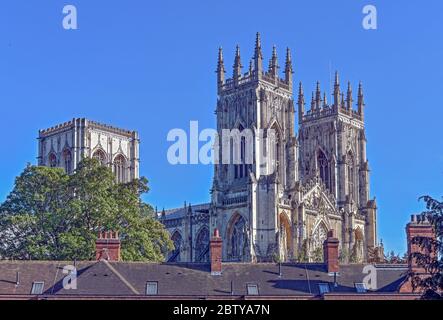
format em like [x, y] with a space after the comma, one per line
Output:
[50, 215]
[317, 255]
[431, 285]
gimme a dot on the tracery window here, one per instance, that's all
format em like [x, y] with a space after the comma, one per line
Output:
[67, 159]
[238, 239]
[323, 167]
[120, 169]
[52, 160]
[100, 156]
[177, 240]
[351, 175]
[202, 245]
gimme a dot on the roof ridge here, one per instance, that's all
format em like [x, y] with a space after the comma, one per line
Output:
[121, 277]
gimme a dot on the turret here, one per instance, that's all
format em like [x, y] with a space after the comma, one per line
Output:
[220, 70]
[318, 96]
[301, 103]
[237, 66]
[349, 97]
[361, 101]
[258, 57]
[273, 64]
[336, 91]
[288, 68]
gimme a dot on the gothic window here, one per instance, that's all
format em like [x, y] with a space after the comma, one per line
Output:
[239, 161]
[318, 238]
[202, 245]
[175, 254]
[120, 168]
[100, 156]
[238, 239]
[52, 160]
[67, 159]
[285, 238]
[324, 170]
[351, 175]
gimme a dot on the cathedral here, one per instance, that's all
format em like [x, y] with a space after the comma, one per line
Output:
[320, 182]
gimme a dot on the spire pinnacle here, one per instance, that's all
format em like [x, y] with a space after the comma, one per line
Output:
[312, 102]
[361, 100]
[258, 57]
[220, 69]
[318, 96]
[349, 97]
[288, 67]
[301, 103]
[336, 90]
[325, 100]
[273, 63]
[237, 65]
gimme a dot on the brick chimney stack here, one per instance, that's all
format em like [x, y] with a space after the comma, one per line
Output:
[215, 250]
[330, 251]
[419, 226]
[107, 246]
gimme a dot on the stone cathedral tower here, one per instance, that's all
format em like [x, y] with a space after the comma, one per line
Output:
[283, 207]
[247, 205]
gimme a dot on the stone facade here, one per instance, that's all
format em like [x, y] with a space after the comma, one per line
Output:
[66, 144]
[319, 181]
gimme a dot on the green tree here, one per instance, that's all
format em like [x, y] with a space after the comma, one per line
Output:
[432, 285]
[50, 215]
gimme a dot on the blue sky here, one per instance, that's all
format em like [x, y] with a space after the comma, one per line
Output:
[149, 66]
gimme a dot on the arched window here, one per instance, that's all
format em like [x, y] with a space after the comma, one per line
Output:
[351, 175]
[67, 161]
[202, 246]
[175, 254]
[120, 168]
[318, 238]
[100, 156]
[237, 239]
[323, 167]
[52, 160]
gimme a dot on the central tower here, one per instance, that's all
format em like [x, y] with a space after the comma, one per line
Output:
[256, 108]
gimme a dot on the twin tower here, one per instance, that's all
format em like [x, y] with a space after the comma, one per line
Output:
[321, 177]
[313, 182]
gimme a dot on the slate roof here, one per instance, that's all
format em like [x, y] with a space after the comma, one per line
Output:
[181, 212]
[189, 280]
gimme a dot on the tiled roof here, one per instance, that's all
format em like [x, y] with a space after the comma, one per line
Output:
[130, 278]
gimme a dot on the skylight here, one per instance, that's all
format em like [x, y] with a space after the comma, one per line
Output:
[252, 289]
[151, 288]
[323, 287]
[37, 287]
[360, 287]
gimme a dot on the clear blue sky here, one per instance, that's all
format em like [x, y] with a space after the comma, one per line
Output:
[149, 66]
